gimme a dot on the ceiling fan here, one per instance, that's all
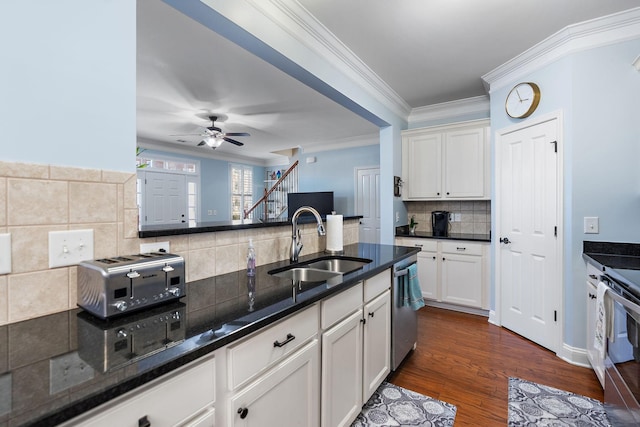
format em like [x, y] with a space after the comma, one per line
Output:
[214, 136]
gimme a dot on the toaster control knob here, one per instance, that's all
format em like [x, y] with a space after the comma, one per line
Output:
[121, 305]
[122, 333]
[167, 268]
[133, 274]
[174, 291]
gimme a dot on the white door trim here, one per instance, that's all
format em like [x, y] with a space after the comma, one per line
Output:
[495, 315]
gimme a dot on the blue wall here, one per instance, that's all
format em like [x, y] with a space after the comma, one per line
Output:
[598, 93]
[68, 83]
[334, 171]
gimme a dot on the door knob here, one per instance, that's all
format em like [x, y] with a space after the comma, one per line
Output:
[506, 240]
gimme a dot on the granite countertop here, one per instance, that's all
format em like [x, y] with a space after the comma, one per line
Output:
[98, 365]
[401, 232]
[208, 227]
[612, 255]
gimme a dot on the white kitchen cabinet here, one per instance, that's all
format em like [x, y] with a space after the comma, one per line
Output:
[356, 348]
[452, 272]
[462, 279]
[342, 372]
[377, 343]
[286, 396]
[185, 397]
[446, 162]
[594, 356]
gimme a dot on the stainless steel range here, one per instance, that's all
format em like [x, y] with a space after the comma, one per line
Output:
[622, 362]
[112, 286]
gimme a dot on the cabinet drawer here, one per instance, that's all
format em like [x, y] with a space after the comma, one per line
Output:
[424, 244]
[462, 248]
[255, 354]
[377, 285]
[165, 402]
[340, 306]
[593, 274]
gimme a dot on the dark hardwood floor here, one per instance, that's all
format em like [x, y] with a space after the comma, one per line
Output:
[464, 360]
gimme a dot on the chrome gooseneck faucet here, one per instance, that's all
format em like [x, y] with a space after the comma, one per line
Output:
[296, 239]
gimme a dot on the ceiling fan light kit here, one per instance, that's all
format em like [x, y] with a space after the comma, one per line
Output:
[213, 136]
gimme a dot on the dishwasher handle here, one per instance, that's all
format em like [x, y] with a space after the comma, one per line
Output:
[404, 271]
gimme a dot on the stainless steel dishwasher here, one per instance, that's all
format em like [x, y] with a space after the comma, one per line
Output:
[404, 320]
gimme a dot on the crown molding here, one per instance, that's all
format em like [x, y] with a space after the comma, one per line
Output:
[342, 144]
[297, 22]
[574, 38]
[451, 109]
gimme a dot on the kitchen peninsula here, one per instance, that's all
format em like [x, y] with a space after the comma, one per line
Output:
[70, 363]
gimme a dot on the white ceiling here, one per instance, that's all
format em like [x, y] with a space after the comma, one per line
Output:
[428, 51]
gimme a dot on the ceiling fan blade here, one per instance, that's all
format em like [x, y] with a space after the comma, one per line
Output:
[233, 141]
[201, 143]
[236, 134]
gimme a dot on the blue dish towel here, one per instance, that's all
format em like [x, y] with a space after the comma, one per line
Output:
[412, 293]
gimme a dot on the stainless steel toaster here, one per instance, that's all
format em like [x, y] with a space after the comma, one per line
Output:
[109, 287]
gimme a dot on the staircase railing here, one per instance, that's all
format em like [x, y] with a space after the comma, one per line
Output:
[273, 203]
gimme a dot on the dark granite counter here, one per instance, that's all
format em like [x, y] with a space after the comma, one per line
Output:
[400, 232]
[56, 367]
[209, 227]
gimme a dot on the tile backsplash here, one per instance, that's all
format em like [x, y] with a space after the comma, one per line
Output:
[475, 216]
[36, 199]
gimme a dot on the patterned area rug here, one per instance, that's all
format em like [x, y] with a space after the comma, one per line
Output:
[391, 405]
[532, 404]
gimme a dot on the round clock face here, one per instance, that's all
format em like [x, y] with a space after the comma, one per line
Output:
[522, 100]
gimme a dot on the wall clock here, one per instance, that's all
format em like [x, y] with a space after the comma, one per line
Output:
[523, 100]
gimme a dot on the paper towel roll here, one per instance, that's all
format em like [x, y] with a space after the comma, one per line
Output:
[334, 233]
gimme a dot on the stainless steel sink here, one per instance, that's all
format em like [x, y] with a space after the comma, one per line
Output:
[341, 265]
[322, 269]
[306, 274]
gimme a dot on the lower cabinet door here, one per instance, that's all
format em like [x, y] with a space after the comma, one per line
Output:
[342, 372]
[428, 274]
[286, 396]
[462, 279]
[377, 344]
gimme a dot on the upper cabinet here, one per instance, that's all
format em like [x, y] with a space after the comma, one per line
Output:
[446, 162]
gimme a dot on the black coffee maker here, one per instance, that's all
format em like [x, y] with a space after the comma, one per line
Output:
[440, 223]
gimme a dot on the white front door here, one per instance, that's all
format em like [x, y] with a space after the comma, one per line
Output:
[368, 204]
[530, 282]
[165, 198]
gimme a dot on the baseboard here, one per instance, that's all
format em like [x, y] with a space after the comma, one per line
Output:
[574, 355]
[460, 308]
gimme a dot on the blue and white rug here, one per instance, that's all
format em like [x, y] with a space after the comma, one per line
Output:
[532, 404]
[391, 405]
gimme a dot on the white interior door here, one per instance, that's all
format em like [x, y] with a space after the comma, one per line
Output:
[368, 204]
[530, 282]
[165, 198]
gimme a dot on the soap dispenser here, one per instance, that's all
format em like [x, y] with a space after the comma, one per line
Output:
[251, 259]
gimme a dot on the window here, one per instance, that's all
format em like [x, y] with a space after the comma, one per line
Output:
[241, 190]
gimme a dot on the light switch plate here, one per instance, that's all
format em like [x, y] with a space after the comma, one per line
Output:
[591, 225]
[70, 247]
[5, 253]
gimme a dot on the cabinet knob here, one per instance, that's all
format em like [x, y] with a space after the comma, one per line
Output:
[593, 276]
[243, 412]
[443, 258]
[437, 194]
[371, 314]
[447, 193]
[434, 257]
[505, 240]
[592, 296]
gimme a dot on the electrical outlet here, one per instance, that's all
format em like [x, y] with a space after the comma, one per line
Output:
[70, 247]
[5, 253]
[146, 248]
[67, 371]
[457, 217]
[397, 216]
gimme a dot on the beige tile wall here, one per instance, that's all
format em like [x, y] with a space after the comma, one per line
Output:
[37, 199]
[475, 215]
